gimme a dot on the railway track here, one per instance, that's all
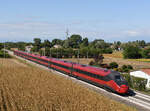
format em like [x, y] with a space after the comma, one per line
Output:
[137, 99]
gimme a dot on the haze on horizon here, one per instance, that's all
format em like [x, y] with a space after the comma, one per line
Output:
[113, 20]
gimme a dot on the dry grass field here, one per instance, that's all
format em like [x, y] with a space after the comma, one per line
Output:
[28, 88]
[117, 54]
[118, 57]
[137, 64]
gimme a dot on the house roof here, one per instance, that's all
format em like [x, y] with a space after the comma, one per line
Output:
[140, 74]
[147, 71]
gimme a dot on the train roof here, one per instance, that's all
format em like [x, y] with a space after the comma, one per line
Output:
[96, 70]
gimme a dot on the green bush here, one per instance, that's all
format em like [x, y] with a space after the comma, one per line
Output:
[107, 51]
[129, 67]
[135, 82]
[125, 68]
[4, 54]
[113, 65]
[91, 63]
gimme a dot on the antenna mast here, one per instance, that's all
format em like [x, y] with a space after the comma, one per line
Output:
[67, 33]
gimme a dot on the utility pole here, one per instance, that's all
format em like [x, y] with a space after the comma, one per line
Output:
[49, 64]
[50, 53]
[57, 53]
[78, 56]
[87, 54]
[4, 50]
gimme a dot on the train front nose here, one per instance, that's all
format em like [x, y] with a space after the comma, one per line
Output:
[123, 89]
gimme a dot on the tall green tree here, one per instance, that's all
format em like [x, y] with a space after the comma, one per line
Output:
[99, 43]
[132, 52]
[37, 44]
[57, 42]
[146, 53]
[75, 41]
[85, 42]
[66, 43]
[1, 46]
[21, 45]
[47, 44]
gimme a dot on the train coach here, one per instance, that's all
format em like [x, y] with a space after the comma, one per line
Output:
[109, 79]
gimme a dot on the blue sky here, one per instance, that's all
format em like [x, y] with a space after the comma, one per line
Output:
[111, 20]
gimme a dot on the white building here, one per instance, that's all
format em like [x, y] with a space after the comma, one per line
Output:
[57, 46]
[144, 73]
[28, 48]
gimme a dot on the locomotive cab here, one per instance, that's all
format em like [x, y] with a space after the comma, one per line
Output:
[120, 81]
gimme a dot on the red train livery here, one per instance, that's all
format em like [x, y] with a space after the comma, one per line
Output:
[109, 79]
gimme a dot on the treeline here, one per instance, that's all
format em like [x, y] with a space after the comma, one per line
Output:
[76, 45]
[70, 52]
[73, 46]
[135, 52]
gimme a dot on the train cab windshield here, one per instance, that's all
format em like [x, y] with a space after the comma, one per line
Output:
[120, 80]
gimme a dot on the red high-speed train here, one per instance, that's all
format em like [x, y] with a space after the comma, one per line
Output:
[109, 79]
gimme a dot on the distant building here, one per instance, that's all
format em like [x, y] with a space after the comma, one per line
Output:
[143, 73]
[57, 46]
[28, 48]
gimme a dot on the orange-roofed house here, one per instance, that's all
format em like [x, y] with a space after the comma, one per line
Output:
[143, 73]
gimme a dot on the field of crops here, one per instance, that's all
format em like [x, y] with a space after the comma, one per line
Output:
[28, 88]
[140, 60]
[117, 54]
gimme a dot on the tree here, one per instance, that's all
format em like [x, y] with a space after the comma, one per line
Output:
[84, 43]
[93, 52]
[66, 44]
[131, 52]
[56, 42]
[75, 40]
[37, 41]
[21, 46]
[129, 67]
[47, 44]
[146, 53]
[113, 65]
[142, 43]
[1, 46]
[84, 52]
[98, 59]
[99, 43]
[37, 44]
[125, 68]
